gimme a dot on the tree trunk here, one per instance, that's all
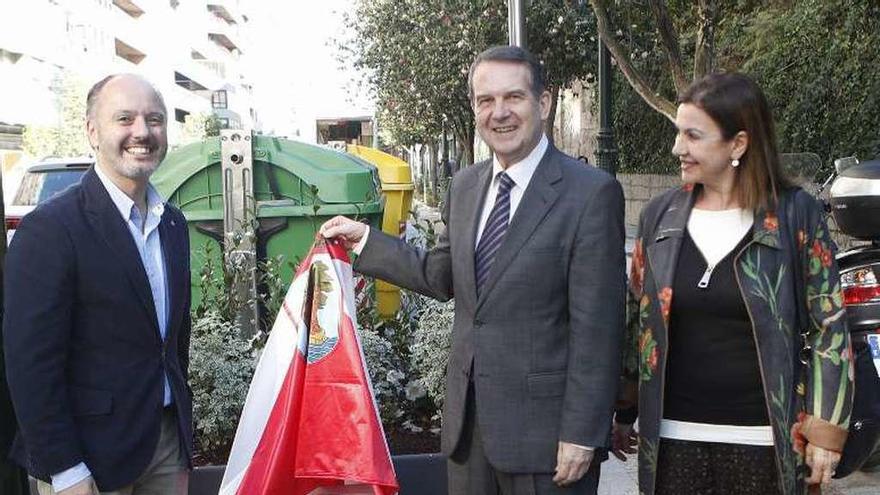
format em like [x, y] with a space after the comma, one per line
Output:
[636, 80]
[425, 176]
[551, 118]
[445, 144]
[465, 138]
[433, 166]
[704, 54]
[455, 159]
[444, 154]
[670, 43]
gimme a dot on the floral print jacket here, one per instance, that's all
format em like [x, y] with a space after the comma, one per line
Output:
[791, 253]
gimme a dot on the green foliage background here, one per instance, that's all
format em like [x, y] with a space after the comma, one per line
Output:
[817, 61]
[416, 55]
[820, 65]
[67, 136]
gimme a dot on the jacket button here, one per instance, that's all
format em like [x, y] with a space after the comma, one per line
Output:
[478, 323]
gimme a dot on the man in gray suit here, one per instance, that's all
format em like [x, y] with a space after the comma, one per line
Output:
[533, 253]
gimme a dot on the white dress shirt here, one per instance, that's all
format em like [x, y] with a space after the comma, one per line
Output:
[145, 233]
[520, 173]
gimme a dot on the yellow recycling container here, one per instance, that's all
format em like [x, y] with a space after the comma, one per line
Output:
[396, 182]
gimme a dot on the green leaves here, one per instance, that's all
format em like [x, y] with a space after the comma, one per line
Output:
[67, 136]
[814, 59]
[417, 54]
[837, 296]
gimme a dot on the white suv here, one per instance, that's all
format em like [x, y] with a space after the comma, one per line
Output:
[40, 182]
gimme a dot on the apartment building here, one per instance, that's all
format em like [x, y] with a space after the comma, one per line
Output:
[190, 49]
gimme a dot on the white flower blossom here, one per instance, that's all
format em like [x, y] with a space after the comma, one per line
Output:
[414, 390]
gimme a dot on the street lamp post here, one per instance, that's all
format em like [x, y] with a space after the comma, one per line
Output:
[606, 154]
[516, 22]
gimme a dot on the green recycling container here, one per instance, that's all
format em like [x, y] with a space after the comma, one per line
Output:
[297, 186]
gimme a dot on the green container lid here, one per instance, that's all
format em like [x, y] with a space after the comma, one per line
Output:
[290, 179]
[297, 187]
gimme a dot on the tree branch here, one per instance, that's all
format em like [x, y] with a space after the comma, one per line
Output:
[551, 118]
[704, 52]
[669, 38]
[638, 83]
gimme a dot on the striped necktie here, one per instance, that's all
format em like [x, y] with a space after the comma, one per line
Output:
[493, 232]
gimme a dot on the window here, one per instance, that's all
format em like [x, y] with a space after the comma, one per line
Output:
[218, 99]
[38, 186]
[180, 115]
[224, 122]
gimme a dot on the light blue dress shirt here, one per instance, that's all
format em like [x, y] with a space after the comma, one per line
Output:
[145, 233]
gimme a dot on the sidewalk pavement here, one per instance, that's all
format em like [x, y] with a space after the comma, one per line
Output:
[621, 478]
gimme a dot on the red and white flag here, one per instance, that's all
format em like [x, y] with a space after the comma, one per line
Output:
[310, 423]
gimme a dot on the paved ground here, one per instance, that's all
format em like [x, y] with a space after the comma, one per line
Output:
[619, 478]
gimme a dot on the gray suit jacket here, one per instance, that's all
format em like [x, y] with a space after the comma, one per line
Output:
[544, 336]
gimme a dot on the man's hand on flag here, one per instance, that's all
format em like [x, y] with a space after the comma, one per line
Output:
[349, 231]
[572, 463]
[310, 419]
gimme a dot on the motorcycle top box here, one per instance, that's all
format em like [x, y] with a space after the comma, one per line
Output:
[855, 200]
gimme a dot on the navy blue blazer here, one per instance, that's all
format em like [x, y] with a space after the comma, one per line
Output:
[84, 356]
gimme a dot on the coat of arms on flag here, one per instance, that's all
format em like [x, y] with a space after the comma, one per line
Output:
[310, 423]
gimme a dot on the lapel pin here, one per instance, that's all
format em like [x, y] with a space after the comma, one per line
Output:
[172, 223]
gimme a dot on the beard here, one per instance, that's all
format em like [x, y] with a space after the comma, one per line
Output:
[128, 167]
[136, 171]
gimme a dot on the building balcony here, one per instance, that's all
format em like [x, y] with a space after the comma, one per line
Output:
[218, 69]
[128, 52]
[200, 73]
[208, 49]
[130, 32]
[130, 7]
[180, 98]
[224, 34]
[185, 80]
[228, 10]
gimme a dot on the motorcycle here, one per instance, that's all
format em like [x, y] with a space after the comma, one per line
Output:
[854, 203]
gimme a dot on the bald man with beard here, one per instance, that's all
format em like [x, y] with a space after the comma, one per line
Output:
[97, 324]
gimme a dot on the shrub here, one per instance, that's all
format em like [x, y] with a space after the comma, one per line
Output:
[223, 357]
[222, 363]
[397, 384]
[405, 356]
[431, 343]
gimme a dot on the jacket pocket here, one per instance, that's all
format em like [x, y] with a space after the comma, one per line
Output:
[89, 401]
[546, 384]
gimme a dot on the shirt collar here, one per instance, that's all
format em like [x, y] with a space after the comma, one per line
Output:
[125, 205]
[522, 171]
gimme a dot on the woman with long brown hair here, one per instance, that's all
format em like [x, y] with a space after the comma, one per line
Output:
[738, 342]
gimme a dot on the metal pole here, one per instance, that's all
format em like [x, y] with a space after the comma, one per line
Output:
[516, 23]
[606, 155]
[239, 223]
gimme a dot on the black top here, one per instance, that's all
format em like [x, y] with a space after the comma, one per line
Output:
[712, 374]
